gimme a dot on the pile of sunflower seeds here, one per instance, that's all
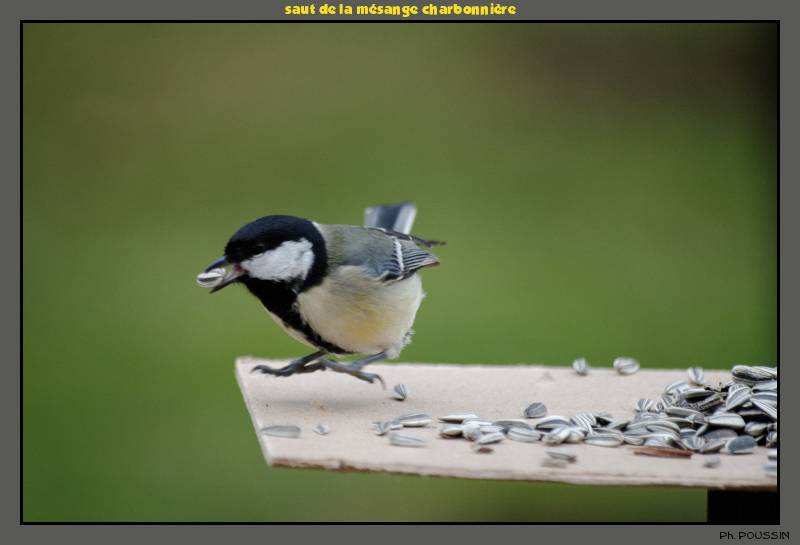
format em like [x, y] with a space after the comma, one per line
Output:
[734, 418]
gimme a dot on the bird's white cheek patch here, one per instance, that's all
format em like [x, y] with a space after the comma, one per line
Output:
[290, 261]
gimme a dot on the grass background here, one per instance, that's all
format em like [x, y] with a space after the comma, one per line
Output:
[606, 189]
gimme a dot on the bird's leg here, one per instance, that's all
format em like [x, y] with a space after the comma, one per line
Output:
[300, 365]
[354, 368]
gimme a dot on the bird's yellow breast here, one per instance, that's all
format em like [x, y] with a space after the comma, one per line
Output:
[359, 313]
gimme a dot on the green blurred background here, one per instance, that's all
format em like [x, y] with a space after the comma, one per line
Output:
[606, 189]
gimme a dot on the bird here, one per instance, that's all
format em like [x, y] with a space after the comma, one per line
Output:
[342, 290]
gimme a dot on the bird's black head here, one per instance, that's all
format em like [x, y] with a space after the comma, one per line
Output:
[275, 249]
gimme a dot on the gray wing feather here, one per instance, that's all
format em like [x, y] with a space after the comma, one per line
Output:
[382, 255]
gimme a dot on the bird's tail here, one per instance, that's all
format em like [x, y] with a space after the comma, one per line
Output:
[392, 217]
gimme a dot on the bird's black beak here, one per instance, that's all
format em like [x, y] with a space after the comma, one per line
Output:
[233, 275]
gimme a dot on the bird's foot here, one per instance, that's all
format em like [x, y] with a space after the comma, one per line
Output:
[353, 371]
[298, 366]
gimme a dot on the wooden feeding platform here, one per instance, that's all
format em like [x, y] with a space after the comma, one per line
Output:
[349, 407]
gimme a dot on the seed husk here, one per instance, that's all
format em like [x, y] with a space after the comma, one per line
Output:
[414, 420]
[765, 407]
[645, 405]
[553, 462]
[535, 410]
[523, 435]
[755, 428]
[663, 452]
[557, 436]
[581, 366]
[696, 375]
[714, 435]
[482, 449]
[564, 455]
[402, 440]
[489, 438]
[626, 366]
[491, 428]
[711, 461]
[400, 392]
[451, 430]
[744, 444]
[457, 418]
[552, 421]
[511, 423]
[604, 439]
[210, 278]
[322, 429]
[737, 397]
[281, 431]
[772, 454]
[471, 431]
[712, 446]
[726, 420]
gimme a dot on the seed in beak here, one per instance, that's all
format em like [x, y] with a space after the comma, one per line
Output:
[210, 279]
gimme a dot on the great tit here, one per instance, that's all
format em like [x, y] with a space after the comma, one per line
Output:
[340, 289]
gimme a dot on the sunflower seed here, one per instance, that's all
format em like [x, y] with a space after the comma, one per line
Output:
[563, 455]
[491, 428]
[604, 439]
[489, 438]
[209, 279]
[281, 431]
[751, 375]
[584, 420]
[576, 434]
[523, 435]
[693, 442]
[663, 452]
[322, 429]
[711, 461]
[414, 420]
[723, 433]
[511, 423]
[381, 428]
[535, 410]
[471, 431]
[726, 420]
[770, 385]
[626, 366]
[553, 462]
[451, 430]
[581, 366]
[550, 422]
[755, 428]
[772, 469]
[645, 405]
[695, 375]
[401, 440]
[557, 436]
[714, 445]
[765, 407]
[400, 392]
[737, 397]
[633, 440]
[744, 444]
[677, 386]
[772, 454]
[681, 411]
[772, 439]
[457, 418]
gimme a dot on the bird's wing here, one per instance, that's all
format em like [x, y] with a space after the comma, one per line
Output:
[383, 254]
